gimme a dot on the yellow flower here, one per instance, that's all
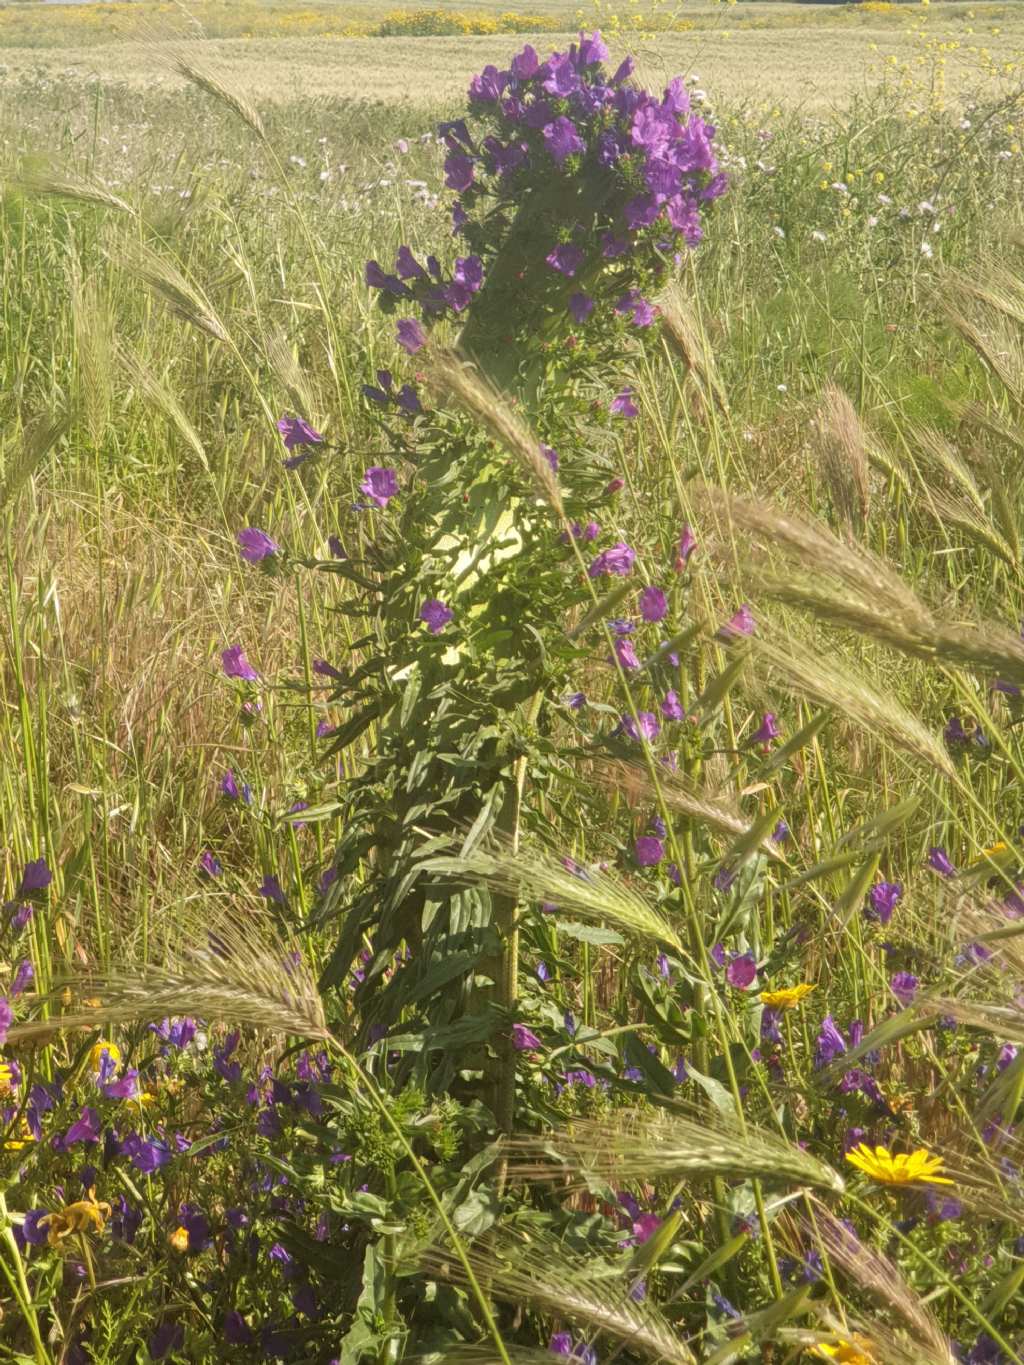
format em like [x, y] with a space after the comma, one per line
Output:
[900, 1168]
[856, 1351]
[75, 1218]
[6, 1078]
[179, 1239]
[994, 850]
[25, 1137]
[788, 998]
[96, 1054]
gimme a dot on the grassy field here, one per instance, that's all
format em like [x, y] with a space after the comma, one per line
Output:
[180, 267]
[815, 56]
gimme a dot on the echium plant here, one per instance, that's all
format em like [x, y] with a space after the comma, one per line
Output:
[576, 193]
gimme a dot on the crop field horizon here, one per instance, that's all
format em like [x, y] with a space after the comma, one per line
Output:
[511, 674]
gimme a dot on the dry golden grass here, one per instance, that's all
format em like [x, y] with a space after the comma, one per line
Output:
[820, 65]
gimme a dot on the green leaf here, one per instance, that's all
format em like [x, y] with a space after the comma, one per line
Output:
[588, 933]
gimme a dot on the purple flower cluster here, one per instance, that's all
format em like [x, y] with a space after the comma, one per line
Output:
[535, 125]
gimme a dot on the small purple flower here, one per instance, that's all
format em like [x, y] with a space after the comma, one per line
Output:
[6, 1018]
[86, 1128]
[436, 615]
[577, 701]
[646, 726]
[236, 665]
[209, 864]
[23, 977]
[672, 707]
[648, 850]
[619, 560]
[780, 833]
[36, 877]
[562, 141]
[168, 1337]
[904, 987]
[126, 1087]
[551, 455]
[525, 64]
[580, 306]
[22, 915]
[884, 897]
[323, 669]
[626, 654]
[622, 404]
[653, 605]
[411, 336]
[686, 547]
[766, 731]
[770, 1032]
[741, 971]
[741, 623]
[524, 1039]
[255, 545]
[566, 259]
[458, 172]
[237, 1331]
[830, 1043]
[380, 485]
[938, 860]
[30, 1230]
[296, 431]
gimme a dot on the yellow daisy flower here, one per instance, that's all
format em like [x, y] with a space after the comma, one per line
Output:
[6, 1078]
[788, 997]
[179, 1239]
[75, 1217]
[899, 1168]
[96, 1054]
[856, 1351]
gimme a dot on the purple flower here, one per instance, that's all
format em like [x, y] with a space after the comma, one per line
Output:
[622, 404]
[551, 455]
[411, 336]
[30, 1230]
[741, 623]
[256, 545]
[36, 877]
[561, 1343]
[236, 665]
[435, 614]
[86, 1128]
[22, 915]
[637, 306]
[562, 141]
[209, 864]
[741, 971]
[938, 860]
[724, 879]
[126, 1087]
[22, 977]
[653, 605]
[580, 306]
[830, 1043]
[380, 485]
[780, 833]
[237, 1331]
[766, 731]
[458, 172]
[524, 1039]
[686, 547]
[646, 726]
[884, 897]
[406, 399]
[168, 1337]
[648, 850]
[525, 64]
[904, 987]
[566, 259]
[770, 1032]
[6, 1018]
[296, 431]
[626, 654]
[671, 707]
[577, 701]
[618, 560]
[487, 88]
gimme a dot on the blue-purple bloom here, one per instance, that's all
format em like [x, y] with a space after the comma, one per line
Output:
[622, 404]
[255, 545]
[648, 850]
[938, 859]
[904, 987]
[296, 431]
[884, 897]
[36, 877]
[435, 614]
[566, 259]
[653, 605]
[236, 665]
[380, 485]
[411, 336]
[580, 306]
[619, 560]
